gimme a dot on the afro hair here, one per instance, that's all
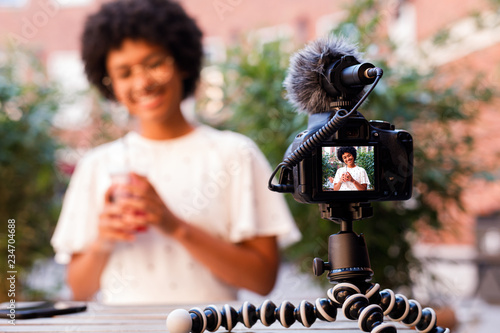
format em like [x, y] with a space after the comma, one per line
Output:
[342, 150]
[159, 22]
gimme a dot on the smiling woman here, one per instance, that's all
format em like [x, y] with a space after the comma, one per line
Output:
[191, 218]
[144, 78]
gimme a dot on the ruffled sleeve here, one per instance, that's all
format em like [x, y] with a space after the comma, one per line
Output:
[77, 225]
[255, 210]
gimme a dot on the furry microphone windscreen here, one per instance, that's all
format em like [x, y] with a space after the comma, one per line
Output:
[302, 82]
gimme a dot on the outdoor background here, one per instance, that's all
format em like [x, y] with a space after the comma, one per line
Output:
[441, 62]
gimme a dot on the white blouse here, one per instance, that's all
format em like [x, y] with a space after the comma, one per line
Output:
[216, 180]
[358, 173]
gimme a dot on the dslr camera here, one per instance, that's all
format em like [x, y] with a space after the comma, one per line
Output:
[342, 157]
[387, 160]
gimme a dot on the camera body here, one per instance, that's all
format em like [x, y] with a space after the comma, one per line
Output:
[387, 156]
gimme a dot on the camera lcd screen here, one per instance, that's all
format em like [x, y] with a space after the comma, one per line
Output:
[348, 168]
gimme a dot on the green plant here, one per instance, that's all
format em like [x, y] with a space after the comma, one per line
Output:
[367, 162]
[254, 101]
[328, 168]
[30, 180]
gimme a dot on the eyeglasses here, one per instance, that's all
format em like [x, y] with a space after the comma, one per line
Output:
[158, 68]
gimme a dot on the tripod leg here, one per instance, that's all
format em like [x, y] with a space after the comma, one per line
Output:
[398, 308]
[367, 305]
[197, 321]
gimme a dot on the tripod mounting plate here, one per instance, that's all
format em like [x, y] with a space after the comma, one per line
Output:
[338, 212]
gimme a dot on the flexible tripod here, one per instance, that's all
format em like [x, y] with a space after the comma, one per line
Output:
[348, 269]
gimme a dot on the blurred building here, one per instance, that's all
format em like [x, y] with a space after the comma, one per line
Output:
[472, 27]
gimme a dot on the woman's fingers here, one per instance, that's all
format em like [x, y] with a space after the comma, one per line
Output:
[117, 235]
[115, 224]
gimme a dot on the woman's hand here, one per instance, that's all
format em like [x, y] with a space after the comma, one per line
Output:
[112, 227]
[143, 206]
[347, 177]
[250, 264]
